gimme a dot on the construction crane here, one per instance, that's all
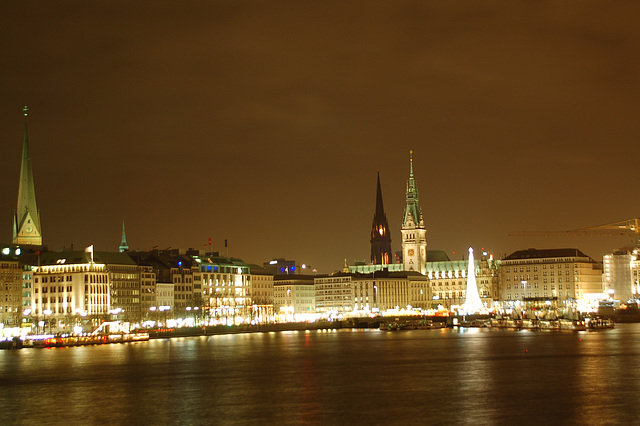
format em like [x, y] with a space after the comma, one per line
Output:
[629, 227]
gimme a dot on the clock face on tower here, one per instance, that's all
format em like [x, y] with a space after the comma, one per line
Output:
[410, 252]
[28, 229]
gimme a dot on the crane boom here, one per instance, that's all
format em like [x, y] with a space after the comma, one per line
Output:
[614, 229]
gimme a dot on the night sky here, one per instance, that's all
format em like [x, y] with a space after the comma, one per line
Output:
[265, 123]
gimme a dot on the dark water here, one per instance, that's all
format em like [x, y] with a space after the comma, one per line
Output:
[466, 376]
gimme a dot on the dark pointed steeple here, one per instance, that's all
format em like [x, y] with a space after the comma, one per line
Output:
[123, 244]
[380, 235]
[26, 225]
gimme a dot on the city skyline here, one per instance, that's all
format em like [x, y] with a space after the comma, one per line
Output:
[239, 123]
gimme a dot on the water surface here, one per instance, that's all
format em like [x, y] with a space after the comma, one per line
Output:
[460, 376]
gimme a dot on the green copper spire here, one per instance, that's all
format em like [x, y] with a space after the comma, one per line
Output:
[26, 226]
[412, 209]
[123, 244]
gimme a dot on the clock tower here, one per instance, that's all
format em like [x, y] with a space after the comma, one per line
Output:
[414, 233]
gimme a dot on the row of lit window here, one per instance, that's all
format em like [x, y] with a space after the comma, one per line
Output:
[52, 289]
[54, 279]
[61, 299]
[516, 296]
[535, 268]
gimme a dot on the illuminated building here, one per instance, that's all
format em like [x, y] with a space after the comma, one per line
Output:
[262, 293]
[414, 233]
[294, 295]
[72, 284]
[176, 267]
[334, 293]
[125, 281]
[620, 274]
[382, 291]
[557, 275]
[147, 289]
[380, 235]
[26, 224]
[226, 289]
[12, 278]
[164, 296]
[377, 291]
[448, 279]
[69, 285]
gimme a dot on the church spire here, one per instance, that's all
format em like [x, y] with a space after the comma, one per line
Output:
[379, 203]
[412, 211]
[380, 235]
[26, 225]
[414, 233]
[123, 244]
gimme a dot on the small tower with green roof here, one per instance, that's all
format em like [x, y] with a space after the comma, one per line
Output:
[123, 243]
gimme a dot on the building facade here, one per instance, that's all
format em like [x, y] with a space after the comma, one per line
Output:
[148, 290]
[620, 273]
[12, 280]
[262, 293]
[448, 279]
[334, 294]
[125, 283]
[69, 287]
[294, 296]
[556, 275]
[226, 284]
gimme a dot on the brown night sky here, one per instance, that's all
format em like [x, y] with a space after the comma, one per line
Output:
[265, 123]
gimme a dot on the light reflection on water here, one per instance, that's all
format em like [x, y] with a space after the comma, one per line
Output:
[460, 376]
